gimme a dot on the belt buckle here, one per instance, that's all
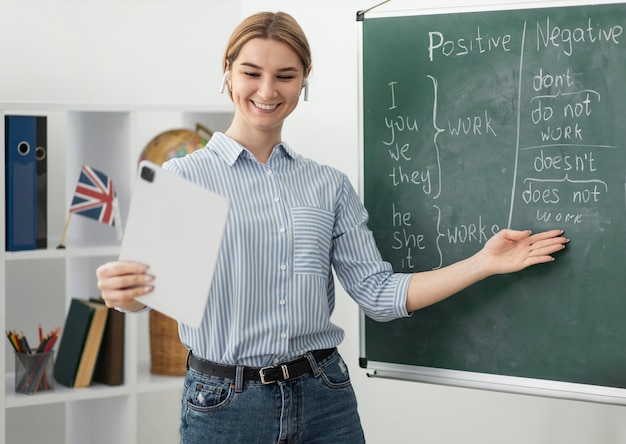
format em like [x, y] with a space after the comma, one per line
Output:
[283, 368]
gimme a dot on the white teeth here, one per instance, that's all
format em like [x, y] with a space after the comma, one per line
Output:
[265, 107]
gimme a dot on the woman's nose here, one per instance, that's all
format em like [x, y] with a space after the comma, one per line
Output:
[267, 89]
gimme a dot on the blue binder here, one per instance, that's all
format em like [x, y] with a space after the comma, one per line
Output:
[21, 182]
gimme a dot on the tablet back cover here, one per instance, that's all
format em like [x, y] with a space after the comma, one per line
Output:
[175, 227]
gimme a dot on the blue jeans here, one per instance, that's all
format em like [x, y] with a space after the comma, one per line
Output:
[305, 410]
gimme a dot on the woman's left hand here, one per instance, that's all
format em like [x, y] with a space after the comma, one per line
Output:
[512, 250]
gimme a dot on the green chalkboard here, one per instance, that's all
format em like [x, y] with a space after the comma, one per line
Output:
[478, 121]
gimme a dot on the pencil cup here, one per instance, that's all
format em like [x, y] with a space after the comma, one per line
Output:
[34, 372]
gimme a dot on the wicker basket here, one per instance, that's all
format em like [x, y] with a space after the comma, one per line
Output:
[167, 353]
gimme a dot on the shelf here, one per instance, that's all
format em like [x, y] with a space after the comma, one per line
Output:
[38, 285]
[146, 383]
[69, 252]
[60, 394]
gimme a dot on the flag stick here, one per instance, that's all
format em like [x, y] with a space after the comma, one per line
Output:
[61, 245]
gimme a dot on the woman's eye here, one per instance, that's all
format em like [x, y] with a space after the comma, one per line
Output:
[285, 77]
[251, 74]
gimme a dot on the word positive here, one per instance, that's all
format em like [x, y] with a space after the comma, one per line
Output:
[462, 46]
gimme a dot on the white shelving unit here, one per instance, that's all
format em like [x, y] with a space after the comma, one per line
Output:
[37, 285]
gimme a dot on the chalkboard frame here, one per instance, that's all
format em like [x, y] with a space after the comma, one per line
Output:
[459, 378]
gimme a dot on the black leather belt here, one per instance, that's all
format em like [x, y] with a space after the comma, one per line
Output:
[267, 375]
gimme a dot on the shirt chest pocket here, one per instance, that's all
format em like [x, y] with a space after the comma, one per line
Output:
[313, 228]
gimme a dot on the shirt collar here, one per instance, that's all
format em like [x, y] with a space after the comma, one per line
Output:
[231, 150]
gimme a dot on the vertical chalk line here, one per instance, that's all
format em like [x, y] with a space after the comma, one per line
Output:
[517, 142]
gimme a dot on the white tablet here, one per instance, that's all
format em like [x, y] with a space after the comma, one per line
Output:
[175, 227]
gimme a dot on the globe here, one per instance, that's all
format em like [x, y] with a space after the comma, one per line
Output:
[174, 143]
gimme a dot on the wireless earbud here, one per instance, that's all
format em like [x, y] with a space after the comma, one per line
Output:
[224, 80]
[306, 89]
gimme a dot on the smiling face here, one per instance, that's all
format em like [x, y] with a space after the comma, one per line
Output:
[265, 84]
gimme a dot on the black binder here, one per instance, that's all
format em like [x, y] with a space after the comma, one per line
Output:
[41, 205]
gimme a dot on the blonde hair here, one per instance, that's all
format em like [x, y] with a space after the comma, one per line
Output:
[278, 26]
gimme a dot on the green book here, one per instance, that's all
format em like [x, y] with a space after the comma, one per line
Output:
[73, 336]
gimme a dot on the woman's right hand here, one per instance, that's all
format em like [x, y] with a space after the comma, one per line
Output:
[121, 282]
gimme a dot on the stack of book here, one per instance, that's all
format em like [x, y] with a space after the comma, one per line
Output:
[91, 346]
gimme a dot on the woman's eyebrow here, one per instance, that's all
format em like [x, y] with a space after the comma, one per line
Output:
[251, 65]
[286, 69]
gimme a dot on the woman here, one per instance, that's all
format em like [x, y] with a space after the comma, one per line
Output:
[263, 367]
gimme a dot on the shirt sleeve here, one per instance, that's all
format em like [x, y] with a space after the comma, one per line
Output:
[359, 266]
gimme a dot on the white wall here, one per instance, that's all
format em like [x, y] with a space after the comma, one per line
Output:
[113, 52]
[169, 51]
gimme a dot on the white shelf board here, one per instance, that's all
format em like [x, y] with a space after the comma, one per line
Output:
[60, 394]
[68, 252]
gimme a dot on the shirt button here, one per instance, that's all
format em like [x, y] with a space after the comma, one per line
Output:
[283, 267]
[268, 172]
[277, 199]
[282, 229]
[283, 335]
[282, 302]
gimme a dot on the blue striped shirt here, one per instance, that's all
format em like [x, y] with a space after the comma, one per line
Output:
[291, 222]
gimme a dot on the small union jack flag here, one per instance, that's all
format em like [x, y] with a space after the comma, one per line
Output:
[95, 197]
